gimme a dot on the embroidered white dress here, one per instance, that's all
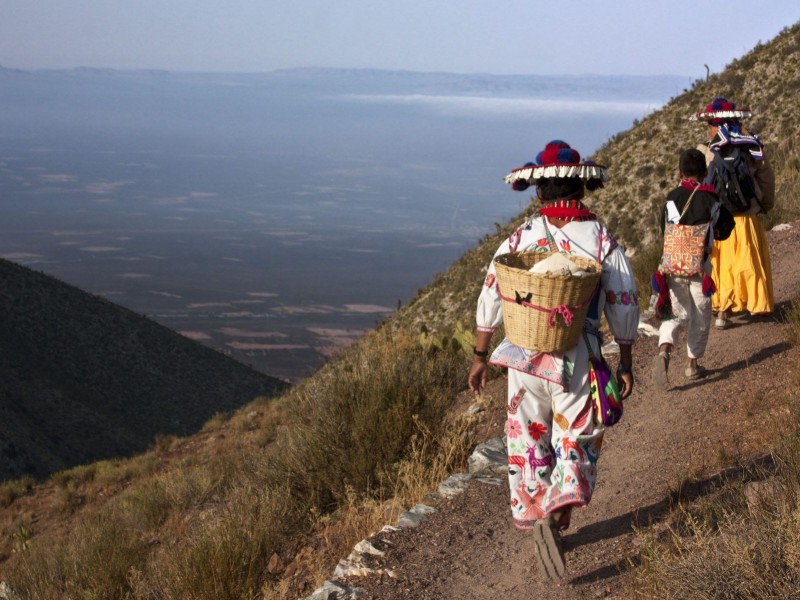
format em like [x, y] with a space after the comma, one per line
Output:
[553, 440]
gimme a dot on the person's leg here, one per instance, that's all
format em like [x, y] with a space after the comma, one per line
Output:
[530, 455]
[679, 295]
[576, 440]
[699, 321]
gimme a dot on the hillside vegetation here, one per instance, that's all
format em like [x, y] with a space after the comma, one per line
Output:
[643, 166]
[265, 503]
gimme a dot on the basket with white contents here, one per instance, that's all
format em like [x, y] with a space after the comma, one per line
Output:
[546, 296]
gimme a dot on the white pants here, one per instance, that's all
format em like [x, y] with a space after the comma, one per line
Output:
[553, 446]
[689, 305]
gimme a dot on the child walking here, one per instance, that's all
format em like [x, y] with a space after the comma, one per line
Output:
[689, 288]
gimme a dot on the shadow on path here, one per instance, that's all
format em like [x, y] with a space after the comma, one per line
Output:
[714, 376]
[759, 468]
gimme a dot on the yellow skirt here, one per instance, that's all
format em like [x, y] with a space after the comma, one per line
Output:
[741, 269]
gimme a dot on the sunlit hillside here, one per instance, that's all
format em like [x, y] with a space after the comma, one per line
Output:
[263, 504]
[643, 163]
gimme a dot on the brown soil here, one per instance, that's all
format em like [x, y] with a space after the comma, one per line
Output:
[469, 547]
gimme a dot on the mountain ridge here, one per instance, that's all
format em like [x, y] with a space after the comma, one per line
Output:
[632, 87]
[229, 522]
[85, 379]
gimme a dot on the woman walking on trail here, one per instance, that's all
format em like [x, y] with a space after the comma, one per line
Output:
[554, 437]
[742, 271]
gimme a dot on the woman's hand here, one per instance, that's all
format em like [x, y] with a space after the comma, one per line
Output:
[625, 383]
[625, 371]
[477, 376]
[480, 368]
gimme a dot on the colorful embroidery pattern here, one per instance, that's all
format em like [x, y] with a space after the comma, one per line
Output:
[515, 401]
[624, 297]
[549, 465]
[540, 364]
[513, 428]
[536, 430]
[514, 239]
[684, 249]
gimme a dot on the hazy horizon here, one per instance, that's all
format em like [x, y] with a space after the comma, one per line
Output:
[277, 218]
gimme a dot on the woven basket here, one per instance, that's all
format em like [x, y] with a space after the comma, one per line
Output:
[544, 312]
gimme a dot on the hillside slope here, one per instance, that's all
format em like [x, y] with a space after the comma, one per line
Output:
[85, 379]
[643, 160]
[670, 445]
[643, 167]
[239, 505]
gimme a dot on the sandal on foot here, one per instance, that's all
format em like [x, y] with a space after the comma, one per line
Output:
[660, 368]
[695, 372]
[549, 553]
[722, 323]
[563, 521]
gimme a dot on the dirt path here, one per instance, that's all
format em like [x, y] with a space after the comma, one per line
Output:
[469, 547]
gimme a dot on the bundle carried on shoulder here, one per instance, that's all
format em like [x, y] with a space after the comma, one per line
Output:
[546, 297]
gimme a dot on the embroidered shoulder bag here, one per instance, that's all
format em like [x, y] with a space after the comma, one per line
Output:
[603, 389]
[684, 246]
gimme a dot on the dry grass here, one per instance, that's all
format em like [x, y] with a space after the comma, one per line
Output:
[336, 458]
[16, 488]
[742, 541]
[295, 482]
[724, 548]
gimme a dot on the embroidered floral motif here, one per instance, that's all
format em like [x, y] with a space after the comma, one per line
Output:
[542, 243]
[516, 447]
[536, 430]
[624, 297]
[513, 428]
[515, 401]
[490, 279]
[565, 246]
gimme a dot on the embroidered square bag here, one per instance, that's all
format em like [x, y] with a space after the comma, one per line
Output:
[684, 246]
[603, 389]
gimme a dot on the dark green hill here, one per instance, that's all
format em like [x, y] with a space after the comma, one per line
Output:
[83, 379]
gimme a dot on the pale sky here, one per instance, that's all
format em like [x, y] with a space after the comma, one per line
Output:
[469, 36]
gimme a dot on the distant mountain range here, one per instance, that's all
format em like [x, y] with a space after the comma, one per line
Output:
[374, 81]
[77, 372]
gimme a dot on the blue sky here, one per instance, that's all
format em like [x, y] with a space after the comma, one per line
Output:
[511, 37]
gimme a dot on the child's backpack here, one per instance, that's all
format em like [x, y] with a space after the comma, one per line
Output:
[684, 245]
[733, 181]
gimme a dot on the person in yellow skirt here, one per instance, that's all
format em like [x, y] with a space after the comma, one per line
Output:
[741, 267]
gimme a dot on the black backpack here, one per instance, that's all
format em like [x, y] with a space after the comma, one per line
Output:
[733, 182]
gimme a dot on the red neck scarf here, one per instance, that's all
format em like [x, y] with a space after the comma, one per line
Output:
[691, 184]
[566, 210]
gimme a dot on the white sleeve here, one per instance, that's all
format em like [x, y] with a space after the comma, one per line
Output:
[489, 314]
